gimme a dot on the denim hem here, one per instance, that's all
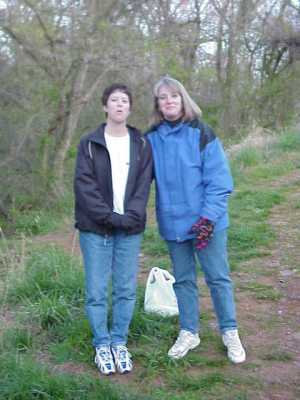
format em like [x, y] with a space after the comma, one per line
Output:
[118, 344]
[193, 331]
[100, 345]
[230, 328]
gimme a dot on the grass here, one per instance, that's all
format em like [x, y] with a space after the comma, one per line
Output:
[278, 355]
[17, 338]
[43, 286]
[206, 383]
[248, 157]
[23, 379]
[289, 141]
[262, 292]
[270, 171]
[153, 245]
[50, 293]
[250, 235]
[49, 271]
[37, 218]
[71, 340]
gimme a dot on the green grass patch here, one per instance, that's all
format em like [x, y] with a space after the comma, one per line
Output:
[160, 262]
[252, 166]
[278, 355]
[270, 171]
[207, 382]
[71, 341]
[248, 157]
[54, 309]
[17, 338]
[262, 292]
[289, 141]
[23, 379]
[246, 242]
[254, 203]
[34, 222]
[31, 216]
[49, 287]
[250, 233]
[48, 271]
[153, 245]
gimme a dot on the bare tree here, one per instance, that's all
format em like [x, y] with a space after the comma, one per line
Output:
[75, 45]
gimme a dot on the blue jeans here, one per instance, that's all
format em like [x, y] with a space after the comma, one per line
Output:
[214, 263]
[110, 257]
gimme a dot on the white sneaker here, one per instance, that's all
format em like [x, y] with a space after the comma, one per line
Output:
[186, 341]
[104, 360]
[122, 359]
[235, 350]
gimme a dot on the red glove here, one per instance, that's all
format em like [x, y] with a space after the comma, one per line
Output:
[203, 229]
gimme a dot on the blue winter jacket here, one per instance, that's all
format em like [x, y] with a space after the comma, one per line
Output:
[192, 178]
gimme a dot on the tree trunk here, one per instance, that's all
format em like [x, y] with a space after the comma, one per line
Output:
[78, 98]
[61, 149]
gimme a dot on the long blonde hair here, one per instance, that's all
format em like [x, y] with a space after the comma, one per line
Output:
[190, 108]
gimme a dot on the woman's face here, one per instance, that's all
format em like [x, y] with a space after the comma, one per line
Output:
[117, 107]
[169, 103]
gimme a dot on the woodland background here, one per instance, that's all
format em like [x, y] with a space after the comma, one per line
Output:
[238, 58]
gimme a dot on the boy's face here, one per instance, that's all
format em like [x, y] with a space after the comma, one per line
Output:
[117, 107]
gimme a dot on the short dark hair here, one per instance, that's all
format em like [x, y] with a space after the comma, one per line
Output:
[120, 87]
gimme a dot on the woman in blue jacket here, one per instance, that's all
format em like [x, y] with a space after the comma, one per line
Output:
[112, 181]
[193, 183]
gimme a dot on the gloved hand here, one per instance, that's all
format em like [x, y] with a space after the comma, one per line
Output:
[203, 229]
[127, 221]
[131, 222]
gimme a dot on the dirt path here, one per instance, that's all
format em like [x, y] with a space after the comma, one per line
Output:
[272, 326]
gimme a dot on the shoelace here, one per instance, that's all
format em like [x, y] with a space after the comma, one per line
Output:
[233, 341]
[104, 353]
[182, 337]
[123, 353]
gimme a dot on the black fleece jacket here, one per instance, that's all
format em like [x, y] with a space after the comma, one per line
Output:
[93, 185]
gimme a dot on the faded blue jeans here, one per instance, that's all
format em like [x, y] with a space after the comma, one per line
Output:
[214, 263]
[110, 257]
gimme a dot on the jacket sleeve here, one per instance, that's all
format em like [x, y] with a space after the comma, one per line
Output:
[87, 192]
[217, 181]
[135, 209]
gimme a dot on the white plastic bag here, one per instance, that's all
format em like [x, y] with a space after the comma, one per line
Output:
[160, 297]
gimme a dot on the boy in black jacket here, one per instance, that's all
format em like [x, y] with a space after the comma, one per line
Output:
[112, 182]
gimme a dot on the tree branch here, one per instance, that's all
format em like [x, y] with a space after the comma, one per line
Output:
[41, 23]
[35, 56]
[90, 92]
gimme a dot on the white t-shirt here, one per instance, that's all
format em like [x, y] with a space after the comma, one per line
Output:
[119, 152]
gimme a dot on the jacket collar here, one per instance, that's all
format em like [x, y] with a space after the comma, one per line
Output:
[194, 123]
[98, 135]
[166, 129]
